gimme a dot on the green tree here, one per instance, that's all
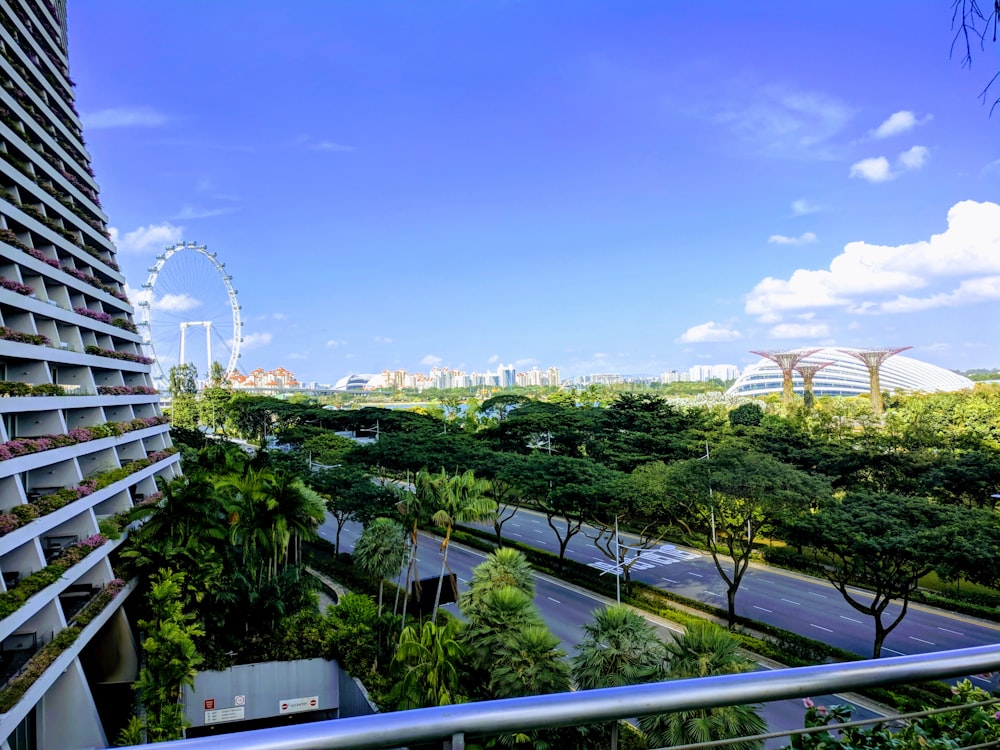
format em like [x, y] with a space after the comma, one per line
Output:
[704, 650]
[619, 647]
[379, 552]
[461, 498]
[351, 495]
[502, 567]
[726, 502]
[885, 543]
[430, 656]
[183, 389]
[171, 659]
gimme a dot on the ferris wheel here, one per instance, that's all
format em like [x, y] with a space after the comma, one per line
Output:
[189, 312]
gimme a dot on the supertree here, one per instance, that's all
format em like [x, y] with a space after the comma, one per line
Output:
[786, 361]
[873, 359]
[808, 372]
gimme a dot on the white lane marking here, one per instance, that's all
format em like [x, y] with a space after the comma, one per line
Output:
[696, 575]
[953, 632]
[886, 648]
[669, 580]
[516, 534]
[763, 610]
[821, 596]
[516, 524]
[463, 580]
[712, 593]
[921, 640]
[851, 619]
[553, 600]
[812, 624]
[790, 601]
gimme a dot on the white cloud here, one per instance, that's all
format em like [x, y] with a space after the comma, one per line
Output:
[709, 332]
[874, 169]
[431, 360]
[802, 207]
[336, 342]
[898, 122]
[914, 158]
[383, 340]
[800, 330]
[783, 122]
[882, 279]
[190, 212]
[255, 340]
[175, 302]
[331, 146]
[143, 239]
[528, 362]
[123, 117]
[803, 239]
[493, 360]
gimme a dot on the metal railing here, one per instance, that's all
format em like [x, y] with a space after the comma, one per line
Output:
[451, 724]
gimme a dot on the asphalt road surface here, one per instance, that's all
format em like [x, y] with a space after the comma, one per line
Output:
[565, 608]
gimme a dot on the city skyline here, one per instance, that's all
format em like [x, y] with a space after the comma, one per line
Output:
[602, 188]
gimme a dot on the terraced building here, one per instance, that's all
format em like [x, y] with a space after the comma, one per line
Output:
[81, 434]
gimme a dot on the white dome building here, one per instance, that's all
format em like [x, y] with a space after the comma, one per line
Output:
[358, 381]
[847, 376]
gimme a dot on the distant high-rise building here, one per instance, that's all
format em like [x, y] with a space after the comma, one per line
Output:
[81, 434]
[507, 376]
[552, 377]
[704, 373]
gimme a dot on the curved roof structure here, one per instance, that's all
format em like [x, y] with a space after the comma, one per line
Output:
[358, 381]
[846, 376]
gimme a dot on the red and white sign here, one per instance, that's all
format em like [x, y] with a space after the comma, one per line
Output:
[298, 705]
[209, 704]
[240, 700]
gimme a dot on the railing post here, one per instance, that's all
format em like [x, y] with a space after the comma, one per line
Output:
[457, 742]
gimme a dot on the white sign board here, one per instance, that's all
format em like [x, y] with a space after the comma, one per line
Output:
[225, 714]
[298, 705]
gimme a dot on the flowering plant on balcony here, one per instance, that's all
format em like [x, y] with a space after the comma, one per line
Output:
[127, 356]
[102, 317]
[24, 446]
[24, 338]
[16, 286]
[39, 255]
[126, 390]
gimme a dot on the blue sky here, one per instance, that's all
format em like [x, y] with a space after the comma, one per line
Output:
[600, 186]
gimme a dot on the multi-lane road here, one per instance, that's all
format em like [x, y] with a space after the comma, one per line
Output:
[566, 608]
[797, 603]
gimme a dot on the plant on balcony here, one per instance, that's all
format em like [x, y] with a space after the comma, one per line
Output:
[126, 390]
[101, 317]
[127, 356]
[13, 599]
[24, 446]
[15, 388]
[11, 239]
[39, 255]
[47, 654]
[16, 286]
[124, 324]
[24, 338]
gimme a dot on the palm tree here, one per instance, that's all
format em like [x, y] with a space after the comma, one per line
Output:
[458, 499]
[704, 650]
[301, 511]
[619, 648]
[430, 657]
[529, 662]
[379, 551]
[503, 567]
[501, 612]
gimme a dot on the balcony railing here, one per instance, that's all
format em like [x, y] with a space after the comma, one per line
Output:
[450, 725]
